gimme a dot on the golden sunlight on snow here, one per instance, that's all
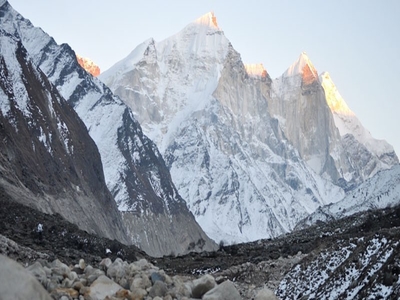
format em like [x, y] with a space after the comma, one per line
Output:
[335, 101]
[208, 19]
[256, 70]
[88, 65]
[309, 74]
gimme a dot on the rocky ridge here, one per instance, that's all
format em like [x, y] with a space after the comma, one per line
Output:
[47, 158]
[134, 170]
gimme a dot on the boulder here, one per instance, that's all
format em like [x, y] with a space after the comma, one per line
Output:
[140, 282]
[158, 289]
[92, 274]
[265, 294]
[27, 288]
[60, 268]
[65, 292]
[38, 271]
[105, 263]
[82, 264]
[180, 289]
[117, 269]
[202, 285]
[138, 294]
[101, 288]
[155, 276]
[224, 291]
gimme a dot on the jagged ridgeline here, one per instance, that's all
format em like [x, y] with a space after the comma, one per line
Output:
[47, 158]
[155, 216]
[252, 156]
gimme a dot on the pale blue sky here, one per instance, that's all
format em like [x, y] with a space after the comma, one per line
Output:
[357, 41]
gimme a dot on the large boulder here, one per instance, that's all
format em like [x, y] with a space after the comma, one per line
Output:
[224, 291]
[202, 286]
[102, 287]
[117, 269]
[159, 289]
[18, 283]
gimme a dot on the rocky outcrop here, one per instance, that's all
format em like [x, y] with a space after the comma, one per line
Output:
[298, 102]
[327, 134]
[47, 159]
[88, 65]
[134, 170]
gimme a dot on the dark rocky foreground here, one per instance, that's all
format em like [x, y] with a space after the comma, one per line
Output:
[59, 238]
[250, 266]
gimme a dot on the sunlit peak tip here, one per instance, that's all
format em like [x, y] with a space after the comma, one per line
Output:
[208, 19]
[255, 70]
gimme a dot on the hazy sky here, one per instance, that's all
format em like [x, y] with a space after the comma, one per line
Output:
[357, 41]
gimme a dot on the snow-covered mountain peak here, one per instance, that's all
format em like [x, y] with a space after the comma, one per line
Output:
[209, 19]
[2, 2]
[333, 98]
[256, 70]
[304, 67]
[201, 38]
[126, 64]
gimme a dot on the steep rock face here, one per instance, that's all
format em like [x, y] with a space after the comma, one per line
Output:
[228, 158]
[367, 155]
[327, 134]
[134, 170]
[47, 159]
[88, 65]
[298, 102]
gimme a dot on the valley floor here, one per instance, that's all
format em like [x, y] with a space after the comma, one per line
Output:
[250, 266]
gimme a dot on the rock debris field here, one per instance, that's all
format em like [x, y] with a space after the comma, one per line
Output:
[70, 263]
